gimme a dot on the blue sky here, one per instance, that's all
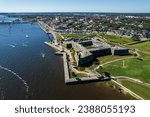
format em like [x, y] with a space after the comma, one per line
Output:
[75, 6]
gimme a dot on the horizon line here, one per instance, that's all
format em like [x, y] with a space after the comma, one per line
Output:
[77, 12]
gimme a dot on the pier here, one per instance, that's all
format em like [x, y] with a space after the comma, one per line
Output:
[52, 45]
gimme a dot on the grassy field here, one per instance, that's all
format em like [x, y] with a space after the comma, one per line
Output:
[132, 68]
[79, 75]
[145, 46]
[108, 58]
[58, 37]
[144, 56]
[104, 59]
[116, 87]
[139, 89]
[116, 40]
[79, 36]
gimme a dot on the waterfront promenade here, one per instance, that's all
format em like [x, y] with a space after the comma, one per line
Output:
[46, 28]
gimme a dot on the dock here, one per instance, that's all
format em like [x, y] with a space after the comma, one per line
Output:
[59, 53]
[81, 80]
[52, 45]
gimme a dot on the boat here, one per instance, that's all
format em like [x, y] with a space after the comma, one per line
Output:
[27, 36]
[43, 55]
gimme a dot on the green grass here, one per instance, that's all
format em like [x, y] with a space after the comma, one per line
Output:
[133, 68]
[104, 59]
[145, 46]
[79, 36]
[139, 89]
[116, 40]
[79, 75]
[144, 56]
[108, 58]
[119, 89]
[58, 37]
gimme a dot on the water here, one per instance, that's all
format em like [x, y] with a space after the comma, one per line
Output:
[4, 18]
[30, 70]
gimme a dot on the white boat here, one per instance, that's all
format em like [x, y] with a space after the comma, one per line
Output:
[27, 36]
[43, 55]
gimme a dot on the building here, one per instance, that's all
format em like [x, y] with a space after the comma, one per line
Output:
[86, 43]
[119, 51]
[100, 51]
[68, 45]
[82, 55]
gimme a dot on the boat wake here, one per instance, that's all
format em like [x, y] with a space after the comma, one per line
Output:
[13, 46]
[15, 74]
[24, 45]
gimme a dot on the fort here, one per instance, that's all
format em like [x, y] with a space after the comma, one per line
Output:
[88, 50]
[82, 55]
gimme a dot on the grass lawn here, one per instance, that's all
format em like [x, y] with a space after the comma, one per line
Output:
[105, 59]
[79, 36]
[139, 89]
[116, 40]
[79, 75]
[58, 37]
[108, 58]
[144, 56]
[145, 46]
[133, 68]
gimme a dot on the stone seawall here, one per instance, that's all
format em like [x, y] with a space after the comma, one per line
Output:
[66, 70]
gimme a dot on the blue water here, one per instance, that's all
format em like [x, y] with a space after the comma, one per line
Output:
[24, 62]
[4, 18]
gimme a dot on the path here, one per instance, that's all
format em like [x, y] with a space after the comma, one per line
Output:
[133, 79]
[128, 90]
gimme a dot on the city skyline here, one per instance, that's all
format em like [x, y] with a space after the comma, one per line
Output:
[120, 6]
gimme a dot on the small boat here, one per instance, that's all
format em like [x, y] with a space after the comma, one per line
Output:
[27, 36]
[43, 55]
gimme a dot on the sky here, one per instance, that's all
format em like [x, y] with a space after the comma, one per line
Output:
[131, 6]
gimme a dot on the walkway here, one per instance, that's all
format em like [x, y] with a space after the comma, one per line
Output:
[128, 90]
[133, 79]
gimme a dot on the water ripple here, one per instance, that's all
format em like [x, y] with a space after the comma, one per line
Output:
[15, 74]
